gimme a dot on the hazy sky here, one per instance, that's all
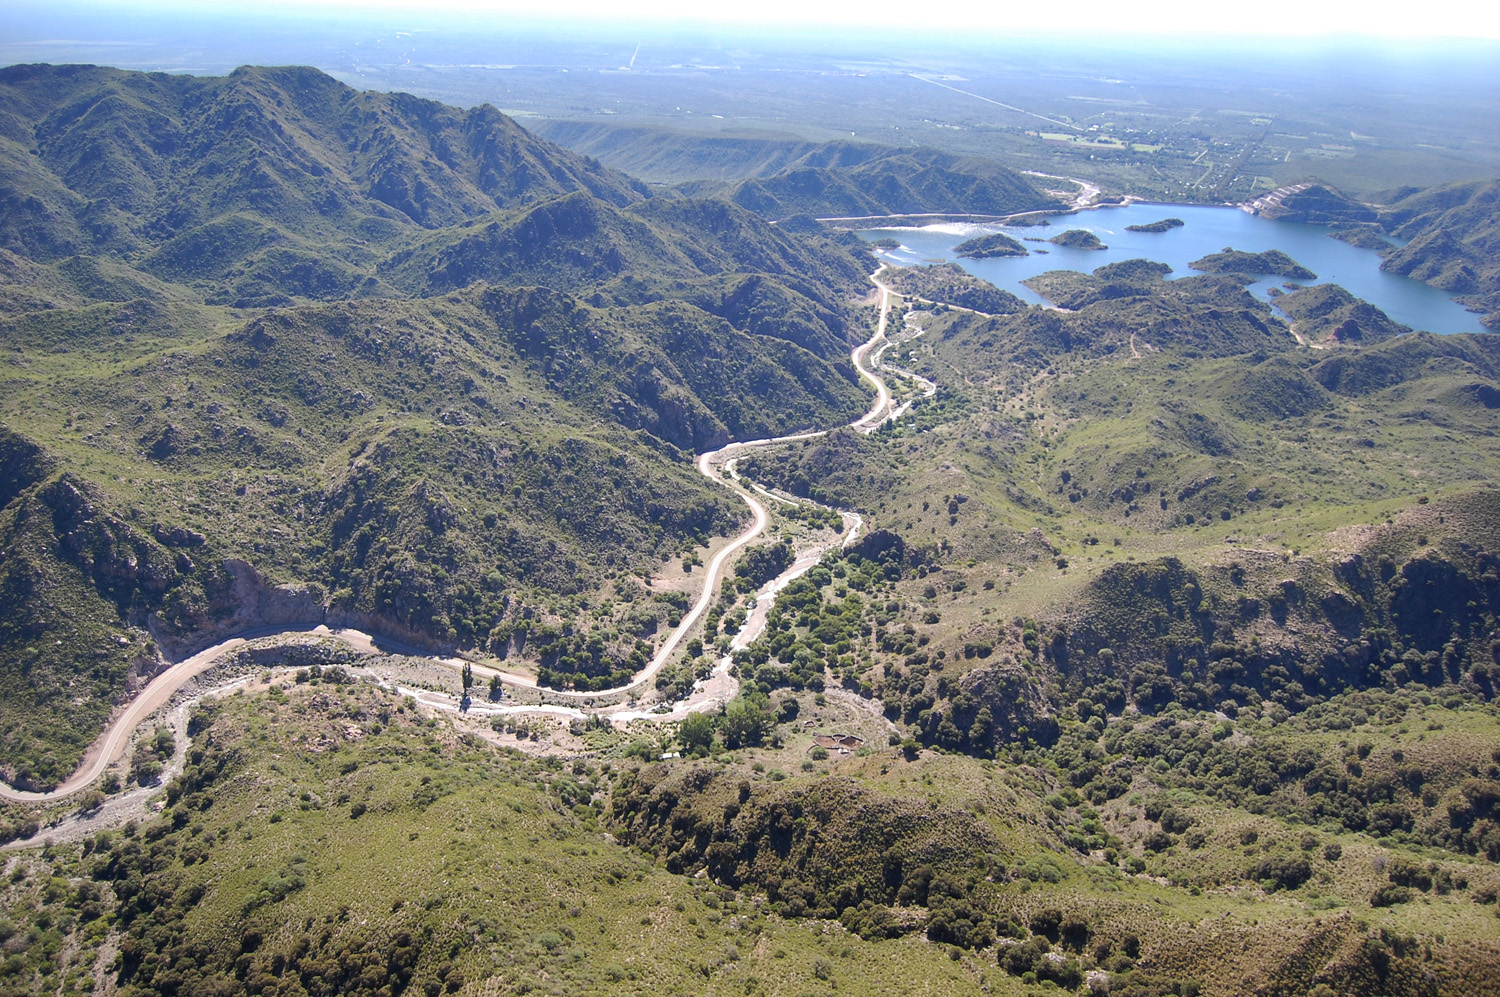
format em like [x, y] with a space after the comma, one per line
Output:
[1383, 18]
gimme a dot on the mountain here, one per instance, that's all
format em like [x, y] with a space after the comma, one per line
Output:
[1317, 204]
[291, 145]
[671, 156]
[578, 241]
[261, 186]
[1162, 662]
[845, 179]
[359, 448]
[1452, 236]
[332, 338]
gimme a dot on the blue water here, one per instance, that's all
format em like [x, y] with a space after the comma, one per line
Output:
[1208, 230]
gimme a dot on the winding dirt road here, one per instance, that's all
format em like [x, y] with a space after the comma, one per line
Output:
[1086, 191]
[116, 737]
[717, 466]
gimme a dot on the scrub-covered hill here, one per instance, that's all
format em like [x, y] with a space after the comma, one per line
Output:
[425, 370]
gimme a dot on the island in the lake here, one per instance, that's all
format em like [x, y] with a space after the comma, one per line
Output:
[987, 247]
[1165, 225]
[1272, 261]
[1078, 238]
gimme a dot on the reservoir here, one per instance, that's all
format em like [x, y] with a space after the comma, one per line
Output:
[1207, 229]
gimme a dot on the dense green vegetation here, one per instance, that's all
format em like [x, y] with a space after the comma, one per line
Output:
[399, 859]
[404, 855]
[847, 179]
[459, 438]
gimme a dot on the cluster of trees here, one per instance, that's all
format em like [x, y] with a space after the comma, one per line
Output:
[760, 564]
[1453, 805]
[828, 849]
[745, 722]
[151, 755]
[805, 633]
[586, 661]
[810, 636]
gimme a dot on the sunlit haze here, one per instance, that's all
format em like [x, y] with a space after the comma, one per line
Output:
[1383, 19]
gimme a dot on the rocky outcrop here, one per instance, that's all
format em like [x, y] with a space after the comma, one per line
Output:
[1014, 702]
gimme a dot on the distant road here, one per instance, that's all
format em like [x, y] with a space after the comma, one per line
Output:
[987, 100]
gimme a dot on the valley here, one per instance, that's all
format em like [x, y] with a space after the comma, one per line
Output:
[434, 560]
[717, 466]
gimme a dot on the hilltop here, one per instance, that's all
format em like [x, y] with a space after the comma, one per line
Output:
[996, 244]
[1272, 261]
[1328, 312]
[1318, 204]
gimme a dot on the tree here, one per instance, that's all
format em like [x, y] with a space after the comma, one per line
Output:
[745, 723]
[696, 732]
[468, 678]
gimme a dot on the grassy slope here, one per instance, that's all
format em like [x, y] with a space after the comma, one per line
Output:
[372, 449]
[492, 867]
[1145, 475]
[327, 821]
[1061, 485]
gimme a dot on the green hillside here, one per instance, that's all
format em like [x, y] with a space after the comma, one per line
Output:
[845, 179]
[1327, 311]
[670, 156]
[431, 466]
[1163, 660]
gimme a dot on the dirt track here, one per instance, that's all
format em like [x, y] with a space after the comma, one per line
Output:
[716, 465]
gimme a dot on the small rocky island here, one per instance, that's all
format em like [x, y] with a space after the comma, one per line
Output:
[1165, 225]
[1272, 261]
[989, 247]
[1077, 238]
